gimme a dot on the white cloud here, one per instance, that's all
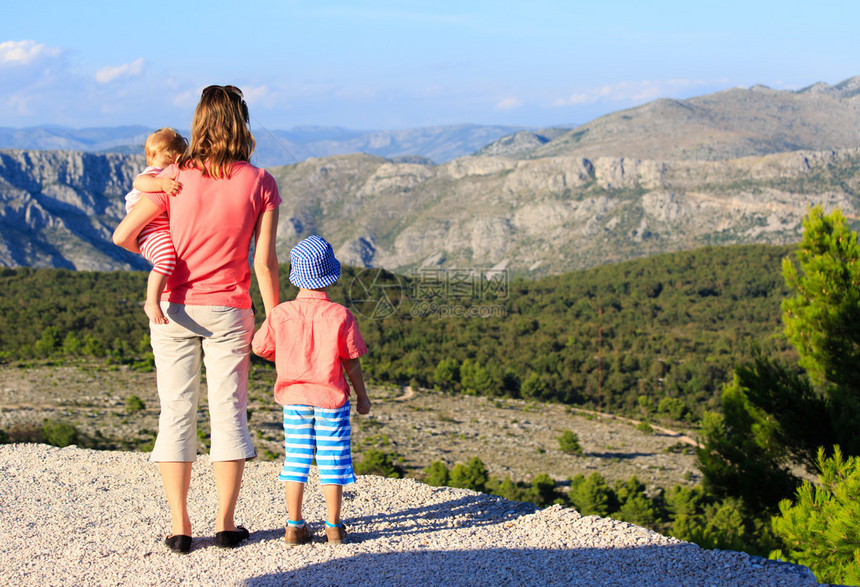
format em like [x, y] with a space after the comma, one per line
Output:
[258, 94]
[508, 104]
[635, 92]
[24, 52]
[187, 98]
[108, 74]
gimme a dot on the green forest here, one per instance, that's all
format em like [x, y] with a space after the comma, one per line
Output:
[658, 335]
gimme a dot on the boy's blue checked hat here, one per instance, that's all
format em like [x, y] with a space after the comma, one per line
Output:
[313, 264]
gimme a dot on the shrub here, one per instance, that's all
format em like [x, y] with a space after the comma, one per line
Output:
[473, 475]
[436, 474]
[644, 427]
[672, 407]
[377, 462]
[134, 404]
[591, 495]
[59, 433]
[543, 490]
[568, 443]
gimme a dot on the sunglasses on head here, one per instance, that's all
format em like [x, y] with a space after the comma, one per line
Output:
[229, 89]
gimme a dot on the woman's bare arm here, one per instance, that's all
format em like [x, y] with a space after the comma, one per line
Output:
[266, 259]
[126, 233]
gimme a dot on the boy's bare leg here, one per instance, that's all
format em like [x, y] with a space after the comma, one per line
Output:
[333, 500]
[155, 285]
[295, 493]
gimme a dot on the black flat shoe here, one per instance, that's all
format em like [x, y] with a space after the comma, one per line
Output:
[180, 543]
[231, 538]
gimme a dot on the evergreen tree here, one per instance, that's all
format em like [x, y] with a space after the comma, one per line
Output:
[822, 528]
[377, 462]
[473, 475]
[436, 474]
[591, 495]
[569, 444]
[822, 320]
[739, 457]
[775, 415]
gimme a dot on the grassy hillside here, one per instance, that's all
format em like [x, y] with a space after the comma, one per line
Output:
[655, 337]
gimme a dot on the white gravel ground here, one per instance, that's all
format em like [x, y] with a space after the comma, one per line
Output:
[81, 517]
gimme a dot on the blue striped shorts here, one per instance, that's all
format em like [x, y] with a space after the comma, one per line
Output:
[324, 434]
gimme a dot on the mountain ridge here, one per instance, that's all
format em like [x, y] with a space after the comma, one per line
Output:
[729, 124]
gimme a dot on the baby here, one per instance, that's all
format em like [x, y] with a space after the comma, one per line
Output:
[162, 148]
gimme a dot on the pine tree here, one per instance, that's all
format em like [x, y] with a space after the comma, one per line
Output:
[822, 528]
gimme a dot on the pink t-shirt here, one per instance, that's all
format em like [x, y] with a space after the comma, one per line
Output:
[212, 225]
[307, 338]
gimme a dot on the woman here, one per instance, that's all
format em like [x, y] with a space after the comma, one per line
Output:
[224, 203]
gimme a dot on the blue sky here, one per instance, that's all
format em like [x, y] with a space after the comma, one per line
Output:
[389, 65]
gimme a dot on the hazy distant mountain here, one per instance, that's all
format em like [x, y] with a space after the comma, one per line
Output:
[724, 125]
[277, 147]
[437, 143]
[119, 139]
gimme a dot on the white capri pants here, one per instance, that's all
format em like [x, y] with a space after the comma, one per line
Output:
[220, 338]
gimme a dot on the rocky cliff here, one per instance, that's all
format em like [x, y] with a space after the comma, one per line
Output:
[533, 216]
[59, 208]
[555, 214]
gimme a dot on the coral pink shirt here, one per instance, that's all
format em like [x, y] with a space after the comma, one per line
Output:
[212, 224]
[307, 338]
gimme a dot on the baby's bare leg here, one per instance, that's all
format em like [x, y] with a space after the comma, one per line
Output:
[154, 288]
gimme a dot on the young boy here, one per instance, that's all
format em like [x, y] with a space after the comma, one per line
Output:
[162, 148]
[312, 342]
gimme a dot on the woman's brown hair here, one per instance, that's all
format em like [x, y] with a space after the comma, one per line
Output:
[219, 133]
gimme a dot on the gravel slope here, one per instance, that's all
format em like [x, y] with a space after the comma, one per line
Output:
[81, 517]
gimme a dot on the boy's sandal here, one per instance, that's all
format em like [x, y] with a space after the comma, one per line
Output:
[336, 535]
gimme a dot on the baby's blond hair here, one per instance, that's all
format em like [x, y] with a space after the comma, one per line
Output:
[165, 142]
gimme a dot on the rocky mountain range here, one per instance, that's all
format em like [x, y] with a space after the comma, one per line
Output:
[534, 216]
[555, 214]
[739, 166]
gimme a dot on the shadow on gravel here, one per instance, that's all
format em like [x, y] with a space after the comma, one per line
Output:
[650, 565]
[467, 511]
